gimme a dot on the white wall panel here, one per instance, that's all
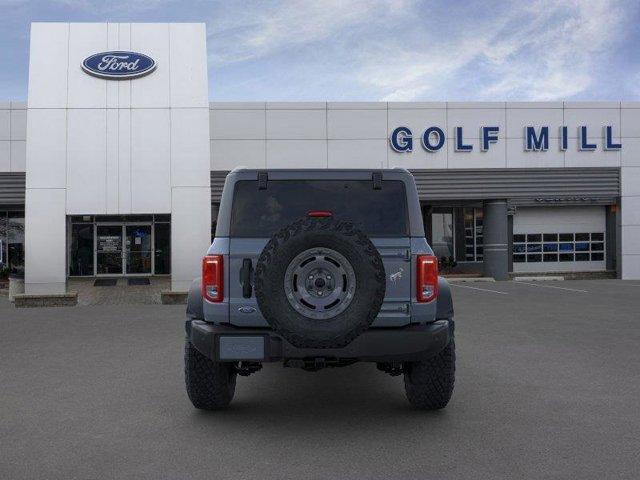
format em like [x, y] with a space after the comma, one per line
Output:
[238, 124]
[86, 161]
[598, 158]
[190, 234]
[190, 165]
[150, 161]
[592, 118]
[5, 156]
[357, 124]
[631, 239]
[296, 124]
[48, 62]
[188, 56]
[518, 118]
[630, 268]
[47, 148]
[495, 157]
[293, 153]
[124, 161]
[517, 157]
[124, 86]
[472, 119]
[152, 91]
[113, 43]
[630, 153]
[86, 91]
[111, 162]
[18, 124]
[630, 211]
[630, 120]
[229, 154]
[357, 153]
[418, 158]
[630, 181]
[18, 156]
[45, 241]
[5, 124]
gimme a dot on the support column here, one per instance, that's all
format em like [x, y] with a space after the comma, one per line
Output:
[496, 254]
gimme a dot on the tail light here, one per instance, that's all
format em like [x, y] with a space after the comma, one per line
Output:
[212, 278]
[427, 278]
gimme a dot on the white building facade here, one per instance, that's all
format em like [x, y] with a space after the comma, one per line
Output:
[122, 176]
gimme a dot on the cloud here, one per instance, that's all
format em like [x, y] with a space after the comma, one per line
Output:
[408, 50]
[263, 28]
[548, 50]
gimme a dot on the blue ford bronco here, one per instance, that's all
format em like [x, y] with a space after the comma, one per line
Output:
[315, 269]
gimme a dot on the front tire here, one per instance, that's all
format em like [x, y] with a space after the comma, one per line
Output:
[428, 384]
[210, 385]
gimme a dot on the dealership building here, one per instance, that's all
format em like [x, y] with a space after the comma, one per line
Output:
[114, 165]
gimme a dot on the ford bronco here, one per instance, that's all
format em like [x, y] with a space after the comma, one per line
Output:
[315, 269]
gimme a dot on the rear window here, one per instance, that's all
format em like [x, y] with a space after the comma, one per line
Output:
[261, 213]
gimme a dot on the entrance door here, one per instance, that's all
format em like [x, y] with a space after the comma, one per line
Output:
[109, 250]
[139, 251]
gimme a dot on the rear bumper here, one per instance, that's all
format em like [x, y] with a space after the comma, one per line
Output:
[227, 343]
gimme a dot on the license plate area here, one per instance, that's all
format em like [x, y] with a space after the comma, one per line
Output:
[241, 347]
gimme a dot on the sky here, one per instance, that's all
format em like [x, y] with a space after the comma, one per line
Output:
[377, 50]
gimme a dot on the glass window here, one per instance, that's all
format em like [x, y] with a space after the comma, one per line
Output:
[519, 258]
[163, 248]
[260, 213]
[567, 250]
[442, 234]
[81, 251]
[473, 238]
[15, 242]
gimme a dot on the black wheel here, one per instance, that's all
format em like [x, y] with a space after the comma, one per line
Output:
[429, 384]
[210, 385]
[320, 282]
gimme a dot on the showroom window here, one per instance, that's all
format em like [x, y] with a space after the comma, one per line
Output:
[11, 242]
[558, 247]
[473, 240]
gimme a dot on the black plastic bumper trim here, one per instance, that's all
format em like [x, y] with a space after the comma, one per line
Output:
[411, 343]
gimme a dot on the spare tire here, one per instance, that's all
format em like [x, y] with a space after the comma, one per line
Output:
[320, 282]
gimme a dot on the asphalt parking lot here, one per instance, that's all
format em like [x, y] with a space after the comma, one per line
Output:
[548, 386]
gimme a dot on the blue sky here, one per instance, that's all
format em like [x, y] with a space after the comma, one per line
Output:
[378, 49]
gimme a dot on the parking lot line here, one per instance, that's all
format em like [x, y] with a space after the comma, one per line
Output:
[552, 286]
[476, 288]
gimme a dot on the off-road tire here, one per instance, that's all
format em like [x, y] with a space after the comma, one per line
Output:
[210, 385]
[344, 238]
[428, 384]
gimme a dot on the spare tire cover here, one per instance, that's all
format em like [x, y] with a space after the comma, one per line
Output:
[320, 282]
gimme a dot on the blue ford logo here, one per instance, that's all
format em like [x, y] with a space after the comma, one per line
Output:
[118, 65]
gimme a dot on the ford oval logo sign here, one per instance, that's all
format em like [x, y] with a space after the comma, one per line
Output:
[118, 65]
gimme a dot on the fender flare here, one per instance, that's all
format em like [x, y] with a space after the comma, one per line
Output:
[445, 302]
[194, 300]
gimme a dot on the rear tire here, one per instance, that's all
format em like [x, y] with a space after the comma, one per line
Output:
[210, 385]
[429, 384]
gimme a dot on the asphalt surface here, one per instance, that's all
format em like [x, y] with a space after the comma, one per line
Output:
[548, 386]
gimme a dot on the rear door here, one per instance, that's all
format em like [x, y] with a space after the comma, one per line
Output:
[257, 213]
